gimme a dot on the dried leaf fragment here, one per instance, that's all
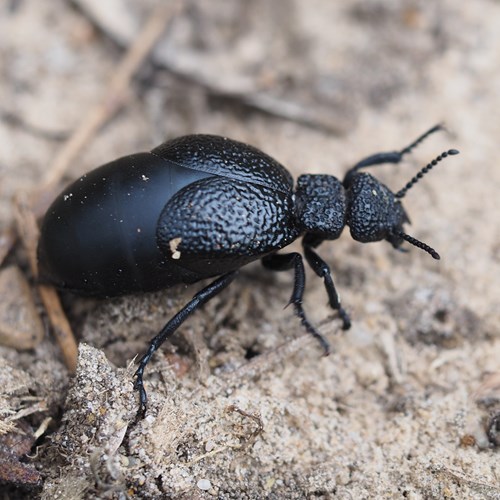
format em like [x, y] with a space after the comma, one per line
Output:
[20, 324]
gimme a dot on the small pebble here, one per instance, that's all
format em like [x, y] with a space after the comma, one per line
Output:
[204, 484]
[209, 446]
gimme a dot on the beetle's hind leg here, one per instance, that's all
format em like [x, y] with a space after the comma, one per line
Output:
[202, 297]
[321, 268]
[285, 262]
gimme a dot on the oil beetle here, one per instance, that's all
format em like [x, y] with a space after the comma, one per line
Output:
[203, 206]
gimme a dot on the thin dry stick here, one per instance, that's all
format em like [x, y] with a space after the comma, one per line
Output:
[265, 362]
[28, 232]
[114, 98]
[117, 90]
[7, 240]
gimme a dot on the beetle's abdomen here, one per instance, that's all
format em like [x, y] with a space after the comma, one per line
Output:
[99, 235]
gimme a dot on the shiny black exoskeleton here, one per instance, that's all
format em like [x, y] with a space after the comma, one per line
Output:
[203, 206]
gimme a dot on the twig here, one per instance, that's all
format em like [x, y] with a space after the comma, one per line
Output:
[7, 241]
[41, 406]
[114, 98]
[263, 101]
[250, 440]
[265, 362]
[42, 428]
[117, 91]
[28, 232]
[17, 121]
[476, 484]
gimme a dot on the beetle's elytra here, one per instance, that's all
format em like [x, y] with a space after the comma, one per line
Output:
[203, 206]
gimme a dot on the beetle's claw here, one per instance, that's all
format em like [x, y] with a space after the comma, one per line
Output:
[326, 348]
[141, 412]
[346, 321]
[143, 398]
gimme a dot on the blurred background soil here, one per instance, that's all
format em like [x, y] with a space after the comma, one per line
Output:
[242, 403]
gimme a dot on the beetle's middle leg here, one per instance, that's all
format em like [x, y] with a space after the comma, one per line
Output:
[285, 262]
[202, 297]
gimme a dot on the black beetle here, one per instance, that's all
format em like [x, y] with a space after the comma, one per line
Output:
[203, 206]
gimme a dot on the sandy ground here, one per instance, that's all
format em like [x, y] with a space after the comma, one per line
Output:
[242, 404]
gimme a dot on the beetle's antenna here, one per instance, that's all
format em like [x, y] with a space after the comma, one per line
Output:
[402, 192]
[420, 139]
[389, 157]
[419, 244]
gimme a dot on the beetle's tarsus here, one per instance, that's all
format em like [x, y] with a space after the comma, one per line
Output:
[299, 312]
[143, 397]
[285, 262]
[139, 386]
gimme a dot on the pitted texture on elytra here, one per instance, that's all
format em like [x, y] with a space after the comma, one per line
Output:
[226, 158]
[373, 211]
[321, 205]
[217, 217]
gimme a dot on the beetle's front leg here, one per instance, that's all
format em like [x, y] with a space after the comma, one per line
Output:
[284, 262]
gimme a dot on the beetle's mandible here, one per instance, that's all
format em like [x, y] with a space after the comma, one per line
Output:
[203, 206]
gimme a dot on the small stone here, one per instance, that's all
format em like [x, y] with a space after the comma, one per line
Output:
[204, 484]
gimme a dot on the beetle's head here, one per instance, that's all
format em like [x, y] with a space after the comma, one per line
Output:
[375, 213]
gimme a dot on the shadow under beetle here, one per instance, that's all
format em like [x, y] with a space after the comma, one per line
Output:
[203, 206]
